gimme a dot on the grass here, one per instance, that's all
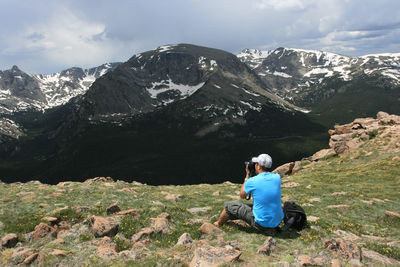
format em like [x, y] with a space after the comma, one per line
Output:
[368, 174]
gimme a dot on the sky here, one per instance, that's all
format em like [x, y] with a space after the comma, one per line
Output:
[47, 36]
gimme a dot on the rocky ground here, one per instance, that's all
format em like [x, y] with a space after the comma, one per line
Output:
[349, 192]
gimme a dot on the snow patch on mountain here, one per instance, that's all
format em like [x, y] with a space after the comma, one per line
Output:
[168, 85]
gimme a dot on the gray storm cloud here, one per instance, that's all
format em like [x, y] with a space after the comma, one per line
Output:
[48, 36]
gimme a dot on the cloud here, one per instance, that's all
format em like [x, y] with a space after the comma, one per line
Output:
[54, 35]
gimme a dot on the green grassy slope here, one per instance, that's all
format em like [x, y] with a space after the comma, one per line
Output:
[366, 180]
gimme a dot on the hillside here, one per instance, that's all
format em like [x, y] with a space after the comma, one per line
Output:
[349, 193]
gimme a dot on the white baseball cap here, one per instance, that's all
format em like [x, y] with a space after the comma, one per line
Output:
[264, 160]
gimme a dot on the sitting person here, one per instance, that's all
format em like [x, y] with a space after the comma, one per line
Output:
[266, 211]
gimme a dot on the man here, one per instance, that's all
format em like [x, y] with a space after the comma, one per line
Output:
[266, 212]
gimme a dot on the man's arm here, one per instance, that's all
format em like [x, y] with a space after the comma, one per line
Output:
[243, 194]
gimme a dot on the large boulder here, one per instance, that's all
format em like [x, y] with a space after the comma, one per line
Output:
[161, 224]
[285, 169]
[104, 226]
[42, 230]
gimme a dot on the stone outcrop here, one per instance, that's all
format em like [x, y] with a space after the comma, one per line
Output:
[161, 224]
[209, 256]
[9, 241]
[268, 246]
[99, 179]
[104, 226]
[345, 249]
[113, 209]
[184, 239]
[208, 228]
[348, 137]
[43, 230]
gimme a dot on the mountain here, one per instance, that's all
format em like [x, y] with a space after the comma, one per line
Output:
[175, 114]
[20, 91]
[328, 83]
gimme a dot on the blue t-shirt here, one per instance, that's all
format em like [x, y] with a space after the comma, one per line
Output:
[266, 191]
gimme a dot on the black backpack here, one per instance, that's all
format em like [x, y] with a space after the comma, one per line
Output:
[294, 216]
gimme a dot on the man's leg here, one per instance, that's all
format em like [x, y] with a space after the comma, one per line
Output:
[223, 218]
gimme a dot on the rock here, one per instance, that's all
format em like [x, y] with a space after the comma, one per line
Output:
[173, 197]
[297, 166]
[378, 257]
[217, 193]
[99, 179]
[209, 256]
[318, 261]
[312, 218]
[138, 236]
[113, 209]
[208, 228]
[392, 214]
[233, 197]
[43, 205]
[49, 219]
[57, 211]
[315, 199]
[22, 194]
[355, 262]
[290, 184]
[107, 249]
[59, 252]
[9, 240]
[127, 190]
[31, 258]
[198, 210]
[196, 220]
[131, 212]
[305, 260]
[161, 224]
[81, 209]
[324, 153]
[347, 235]
[102, 226]
[369, 202]
[308, 186]
[338, 193]
[345, 249]
[58, 241]
[53, 195]
[337, 206]
[63, 225]
[396, 158]
[336, 263]
[43, 230]
[285, 169]
[184, 239]
[20, 254]
[268, 246]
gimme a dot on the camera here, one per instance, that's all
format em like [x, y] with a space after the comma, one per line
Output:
[252, 167]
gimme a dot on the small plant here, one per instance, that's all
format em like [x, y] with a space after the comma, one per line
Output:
[372, 134]
[130, 225]
[85, 237]
[122, 244]
[69, 215]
